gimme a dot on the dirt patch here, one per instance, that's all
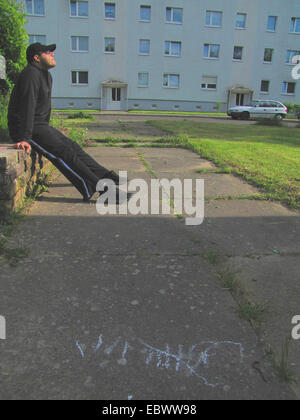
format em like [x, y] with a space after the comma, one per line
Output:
[139, 130]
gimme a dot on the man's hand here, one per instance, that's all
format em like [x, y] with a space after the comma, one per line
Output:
[23, 145]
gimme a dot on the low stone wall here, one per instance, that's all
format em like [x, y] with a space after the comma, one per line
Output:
[20, 176]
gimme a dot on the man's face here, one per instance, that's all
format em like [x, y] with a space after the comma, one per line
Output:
[46, 60]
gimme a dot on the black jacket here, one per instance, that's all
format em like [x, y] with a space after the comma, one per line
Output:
[30, 102]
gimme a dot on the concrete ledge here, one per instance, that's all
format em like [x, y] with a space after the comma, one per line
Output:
[20, 175]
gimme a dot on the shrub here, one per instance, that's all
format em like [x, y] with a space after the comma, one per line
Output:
[4, 136]
[290, 107]
[13, 37]
[80, 114]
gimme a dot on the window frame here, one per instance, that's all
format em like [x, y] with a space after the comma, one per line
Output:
[272, 55]
[148, 43]
[171, 21]
[34, 13]
[286, 84]
[236, 20]
[41, 41]
[77, 37]
[275, 26]
[77, 83]
[289, 57]
[109, 3]
[142, 85]
[170, 49]
[168, 85]
[206, 87]
[234, 50]
[294, 25]
[208, 57]
[265, 92]
[212, 12]
[148, 7]
[109, 38]
[77, 9]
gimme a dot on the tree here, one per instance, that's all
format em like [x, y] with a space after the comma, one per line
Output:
[13, 37]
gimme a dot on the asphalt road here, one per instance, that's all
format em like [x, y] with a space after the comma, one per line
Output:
[125, 116]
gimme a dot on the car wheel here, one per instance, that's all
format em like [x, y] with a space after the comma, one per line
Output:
[278, 117]
[245, 116]
[234, 117]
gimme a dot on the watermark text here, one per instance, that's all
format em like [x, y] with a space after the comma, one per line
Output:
[296, 69]
[296, 329]
[157, 197]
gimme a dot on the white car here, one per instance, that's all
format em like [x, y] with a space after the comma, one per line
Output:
[259, 109]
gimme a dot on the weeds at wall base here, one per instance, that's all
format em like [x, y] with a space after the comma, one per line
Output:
[9, 219]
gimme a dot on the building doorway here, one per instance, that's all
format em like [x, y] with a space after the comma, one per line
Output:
[239, 96]
[114, 96]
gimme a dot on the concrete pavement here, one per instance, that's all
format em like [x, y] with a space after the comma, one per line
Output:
[131, 307]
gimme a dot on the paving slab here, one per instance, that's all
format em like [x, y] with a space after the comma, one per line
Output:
[118, 307]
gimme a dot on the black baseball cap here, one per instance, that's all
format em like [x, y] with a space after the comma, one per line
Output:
[38, 48]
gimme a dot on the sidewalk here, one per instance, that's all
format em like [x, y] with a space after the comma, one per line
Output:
[130, 307]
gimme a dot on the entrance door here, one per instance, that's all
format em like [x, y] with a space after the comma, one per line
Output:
[240, 99]
[114, 98]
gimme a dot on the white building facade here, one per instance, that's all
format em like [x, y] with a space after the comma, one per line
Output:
[184, 55]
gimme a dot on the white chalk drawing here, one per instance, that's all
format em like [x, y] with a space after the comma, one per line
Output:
[2, 328]
[80, 349]
[198, 358]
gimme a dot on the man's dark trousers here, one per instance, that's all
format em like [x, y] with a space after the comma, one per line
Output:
[67, 156]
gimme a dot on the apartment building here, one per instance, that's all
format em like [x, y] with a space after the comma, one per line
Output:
[185, 55]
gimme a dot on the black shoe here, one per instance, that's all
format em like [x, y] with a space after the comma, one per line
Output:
[116, 178]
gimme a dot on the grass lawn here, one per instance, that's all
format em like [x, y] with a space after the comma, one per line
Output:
[212, 114]
[268, 157]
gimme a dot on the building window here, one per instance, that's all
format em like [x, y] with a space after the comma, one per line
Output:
[238, 53]
[268, 55]
[173, 48]
[209, 83]
[288, 88]
[174, 15]
[213, 19]
[240, 21]
[265, 86]
[110, 45]
[211, 51]
[295, 25]
[145, 13]
[272, 23]
[37, 38]
[79, 43]
[35, 7]
[290, 54]
[79, 8]
[171, 81]
[110, 11]
[144, 47]
[143, 79]
[80, 77]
